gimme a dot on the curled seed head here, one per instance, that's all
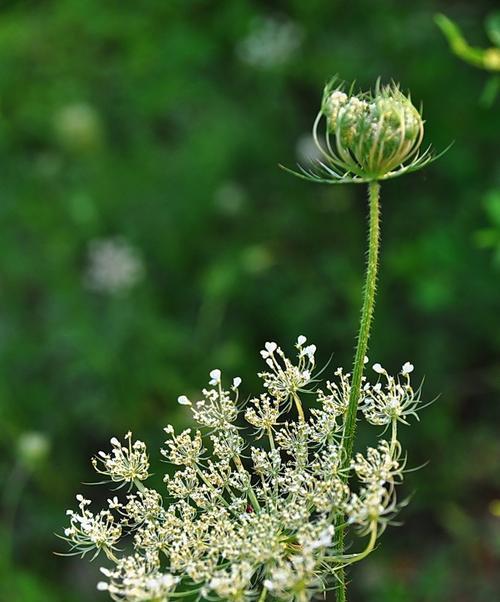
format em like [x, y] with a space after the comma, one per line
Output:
[375, 133]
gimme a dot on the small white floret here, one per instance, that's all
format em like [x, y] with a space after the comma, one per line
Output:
[407, 368]
[236, 382]
[183, 400]
[310, 350]
[378, 368]
[271, 346]
[215, 377]
[301, 340]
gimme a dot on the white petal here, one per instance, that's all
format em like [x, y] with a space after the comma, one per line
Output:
[407, 368]
[183, 400]
[310, 350]
[215, 375]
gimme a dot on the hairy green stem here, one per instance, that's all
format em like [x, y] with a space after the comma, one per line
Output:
[359, 358]
[366, 319]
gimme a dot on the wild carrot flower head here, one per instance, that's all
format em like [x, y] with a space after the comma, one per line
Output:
[368, 135]
[254, 495]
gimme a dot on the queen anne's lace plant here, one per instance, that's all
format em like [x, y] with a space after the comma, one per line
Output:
[241, 521]
[260, 496]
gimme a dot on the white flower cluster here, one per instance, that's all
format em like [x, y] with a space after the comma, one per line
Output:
[353, 117]
[138, 577]
[270, 43]
[243, 523]
[114, 266]
[392, 400]
[125, 463]
[286, 378]
[90, 532]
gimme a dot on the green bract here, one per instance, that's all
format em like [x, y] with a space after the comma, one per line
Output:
[368, 136]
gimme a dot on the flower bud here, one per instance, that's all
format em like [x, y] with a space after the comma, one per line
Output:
[374, 134]
[368, 136]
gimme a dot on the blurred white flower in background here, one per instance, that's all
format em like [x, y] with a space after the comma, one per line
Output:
[307, 150]
[114, 266]
[270, 42]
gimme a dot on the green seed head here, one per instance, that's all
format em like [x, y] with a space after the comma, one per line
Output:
[374, 133]
[367, 136]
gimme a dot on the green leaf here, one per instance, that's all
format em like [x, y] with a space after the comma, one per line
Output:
[488, 58]
[492, 26]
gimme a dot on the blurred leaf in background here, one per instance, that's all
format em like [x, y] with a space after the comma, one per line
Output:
[484, 58]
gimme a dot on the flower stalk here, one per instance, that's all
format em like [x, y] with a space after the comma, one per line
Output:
[366, 316]
[361, 350]
[368, 137]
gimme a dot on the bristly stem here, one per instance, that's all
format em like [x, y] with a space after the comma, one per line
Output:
[366, 318]
[361, 349]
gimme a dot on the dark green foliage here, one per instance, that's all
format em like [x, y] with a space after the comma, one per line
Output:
[140, 120]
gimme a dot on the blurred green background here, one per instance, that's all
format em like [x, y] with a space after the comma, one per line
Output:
[147, 236]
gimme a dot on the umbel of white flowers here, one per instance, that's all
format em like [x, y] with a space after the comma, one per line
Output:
[245, 521]
[368, 136]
